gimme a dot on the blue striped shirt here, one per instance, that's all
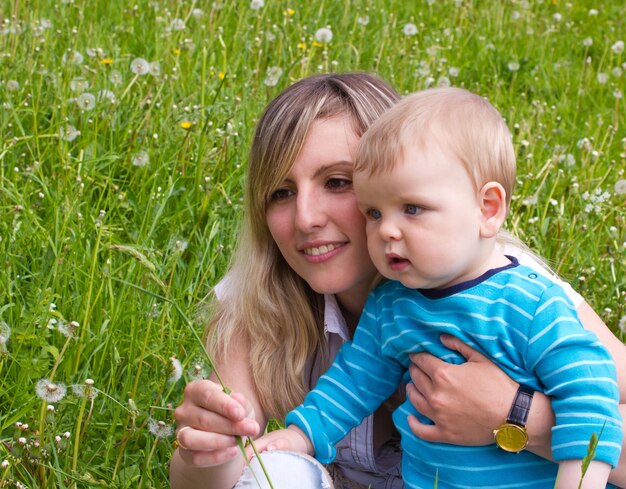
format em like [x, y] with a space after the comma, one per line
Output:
[519, 319]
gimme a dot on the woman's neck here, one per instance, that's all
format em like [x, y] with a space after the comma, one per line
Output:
[351, 304]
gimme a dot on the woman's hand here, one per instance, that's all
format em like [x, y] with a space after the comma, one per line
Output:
[466, 402]
[213, 419]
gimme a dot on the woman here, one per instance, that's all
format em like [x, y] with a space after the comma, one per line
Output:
[294, 293]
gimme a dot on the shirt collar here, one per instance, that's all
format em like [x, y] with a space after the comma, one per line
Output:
[334, 322]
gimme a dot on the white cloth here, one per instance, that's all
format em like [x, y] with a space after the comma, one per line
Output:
[286, 470]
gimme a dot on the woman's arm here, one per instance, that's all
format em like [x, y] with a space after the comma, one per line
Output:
[208, 456]
[467, 402]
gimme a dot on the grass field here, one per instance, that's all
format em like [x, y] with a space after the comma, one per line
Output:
[124, 132]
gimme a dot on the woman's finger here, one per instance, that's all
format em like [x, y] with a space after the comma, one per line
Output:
[423, 383]
[205, 420]
[469, 353]
[210, 396]
[197, 440]
[418, 400]
[427, 363]
[427, 432]
[199, 458]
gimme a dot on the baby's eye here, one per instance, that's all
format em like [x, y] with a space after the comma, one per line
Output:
[338, 183]
[373, 214]
[281, 194]
[413, 209]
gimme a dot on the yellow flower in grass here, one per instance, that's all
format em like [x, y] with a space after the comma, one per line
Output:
[106, 61]
[289, 12]
[221, 75]
[301, 45]
[186, 125]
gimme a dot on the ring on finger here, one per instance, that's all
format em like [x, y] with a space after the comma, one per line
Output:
[180, 443]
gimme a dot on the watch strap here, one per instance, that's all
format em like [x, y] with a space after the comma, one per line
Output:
[521, 405]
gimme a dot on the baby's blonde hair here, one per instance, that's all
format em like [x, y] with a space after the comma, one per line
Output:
[456, 120]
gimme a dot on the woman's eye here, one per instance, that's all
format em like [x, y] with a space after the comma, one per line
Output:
[373, 214]
[281, 194]
[413, 209]
[338, 183]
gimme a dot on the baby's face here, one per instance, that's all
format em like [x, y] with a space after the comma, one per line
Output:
[423, 219]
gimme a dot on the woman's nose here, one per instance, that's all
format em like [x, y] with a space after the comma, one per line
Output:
[310, 211]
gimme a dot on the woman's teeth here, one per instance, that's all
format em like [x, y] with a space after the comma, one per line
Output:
[320, 250]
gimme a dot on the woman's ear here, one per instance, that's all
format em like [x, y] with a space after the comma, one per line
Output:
[493, 206]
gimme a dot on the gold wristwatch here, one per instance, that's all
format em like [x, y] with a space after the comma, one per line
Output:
[511, 436]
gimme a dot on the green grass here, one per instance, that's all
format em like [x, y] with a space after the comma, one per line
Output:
[124, 250]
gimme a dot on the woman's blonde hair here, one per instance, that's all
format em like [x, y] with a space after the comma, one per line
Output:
[263, 301]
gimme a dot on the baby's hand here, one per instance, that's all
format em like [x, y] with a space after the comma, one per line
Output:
[291, 439]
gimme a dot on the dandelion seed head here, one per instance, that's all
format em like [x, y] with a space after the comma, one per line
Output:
[443, 81]
[257, 4]
[140, 159]
[85, 390]
[513, 66]
[618, 47]
[177, 25]
[273, 75]
[160, 429]
[49, 391]
[324, 35]
[68, 133]
[106, 95]
[176, 370]
[198, 371]
[602, 78]
[197, 13]
[140, 66]
[115, 77]
[86, 101]
[5, 464]
[363, 19]
[622, 324]
[12, 85]
[409, 29]
[155, 68]
[453, 71]
[79, 84]
[587, 42]
[620, 187]
[5, 333]
[584, 143]
[73, 57]
[530, 201]
[593, 12]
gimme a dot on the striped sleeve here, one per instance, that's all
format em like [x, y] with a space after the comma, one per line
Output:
[357, 382]
[580, 378]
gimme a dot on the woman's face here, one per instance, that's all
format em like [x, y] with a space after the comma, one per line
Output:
[314, 219]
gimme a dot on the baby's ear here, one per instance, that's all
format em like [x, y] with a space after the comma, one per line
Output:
[492, 198]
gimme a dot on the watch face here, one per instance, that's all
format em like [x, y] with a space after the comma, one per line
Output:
[511, 438]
